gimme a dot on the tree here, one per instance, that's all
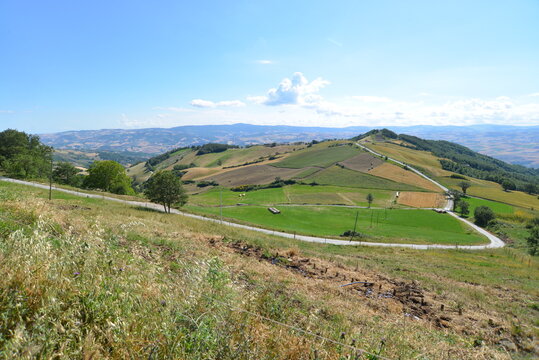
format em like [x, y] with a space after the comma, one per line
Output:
[65, 173]
[464, 185]
[533, 241]
[464, 207]
[483, 215]
[530, 188]
[110, 176]
[166, 189]
[23, 155]
[508, 185]
[370, 199]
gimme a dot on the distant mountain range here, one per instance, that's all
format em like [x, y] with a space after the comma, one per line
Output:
[514, 144]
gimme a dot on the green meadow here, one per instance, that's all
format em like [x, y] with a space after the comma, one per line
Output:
[393, 225]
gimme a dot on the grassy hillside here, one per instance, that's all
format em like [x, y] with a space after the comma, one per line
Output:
[320, 155]
[402, 226]
[87, 278]
[338, 176]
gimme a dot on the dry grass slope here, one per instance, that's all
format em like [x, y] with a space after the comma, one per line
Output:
[85, 278]
[398, 174]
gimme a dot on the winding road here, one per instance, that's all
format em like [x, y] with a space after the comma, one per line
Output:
[495, 242]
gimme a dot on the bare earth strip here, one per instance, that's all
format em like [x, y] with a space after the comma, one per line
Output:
[362, 162]
[255, 175]
[398, 174]
[421, 199]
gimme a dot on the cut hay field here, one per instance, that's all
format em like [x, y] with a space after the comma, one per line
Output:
[398, 174]
[417, 158]
[421, 199]
[338, 176]
[294, 194]
[320, 155]
[362, 162]
[402, 226]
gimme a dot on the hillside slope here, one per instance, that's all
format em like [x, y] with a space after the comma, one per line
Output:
[91, 278]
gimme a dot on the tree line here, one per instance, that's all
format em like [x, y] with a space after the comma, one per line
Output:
[23, 156]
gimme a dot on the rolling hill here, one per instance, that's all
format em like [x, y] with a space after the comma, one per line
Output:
[514, 144]
[301, 177]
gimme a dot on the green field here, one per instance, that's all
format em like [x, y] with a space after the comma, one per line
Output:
[402, 226]
[338, 176]
[323, 157]
[295, 194]
[497, 207]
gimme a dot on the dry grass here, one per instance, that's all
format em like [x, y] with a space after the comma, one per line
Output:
[398, 174]
[101, 280]
[421, 199]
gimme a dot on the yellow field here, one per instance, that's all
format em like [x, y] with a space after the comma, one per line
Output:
[423, 159]
[493, 191]
[421, 199]
[398, 174]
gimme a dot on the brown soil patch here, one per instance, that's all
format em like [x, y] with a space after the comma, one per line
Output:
[421, 199]
[406, 297]
[255, 175]
[362, 162]
[398, 174]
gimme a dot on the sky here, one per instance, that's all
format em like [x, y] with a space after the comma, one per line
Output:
[73, 65]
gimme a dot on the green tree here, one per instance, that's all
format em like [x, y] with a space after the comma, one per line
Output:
[508, 185]
[464, 185]
[23, 155]
[370, 199]
[483, 215]
[464, 207]
[65, 173]
[533, 241]
[530, 188]
[110, 176]
[166, 189]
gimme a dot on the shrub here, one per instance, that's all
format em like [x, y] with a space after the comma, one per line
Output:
[483, 215]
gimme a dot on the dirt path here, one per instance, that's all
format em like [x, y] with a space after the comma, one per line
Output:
[494, 241]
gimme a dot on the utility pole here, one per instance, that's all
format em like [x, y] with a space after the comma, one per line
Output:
[355, 224]
[50, 181]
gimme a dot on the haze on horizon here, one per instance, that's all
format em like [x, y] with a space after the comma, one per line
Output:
[125, 64]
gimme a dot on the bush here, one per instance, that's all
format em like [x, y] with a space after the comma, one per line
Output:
[483, 215]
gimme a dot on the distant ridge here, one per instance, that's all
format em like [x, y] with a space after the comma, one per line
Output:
[514, 144]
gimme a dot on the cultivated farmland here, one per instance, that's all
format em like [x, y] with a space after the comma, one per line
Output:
[381, 225]
[255, 174]
[398, 174]
[338, 176]
[320, 156]
[421, 199]
[362, 162]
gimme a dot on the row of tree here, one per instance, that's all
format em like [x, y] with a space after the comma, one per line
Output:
[23, 156]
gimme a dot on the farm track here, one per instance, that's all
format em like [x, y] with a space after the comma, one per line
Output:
[495, 242]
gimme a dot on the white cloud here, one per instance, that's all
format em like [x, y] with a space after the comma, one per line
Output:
[372, 99]
[264, 62]
[7, 112]
[534, 94]
[200, 103]
[295, 91]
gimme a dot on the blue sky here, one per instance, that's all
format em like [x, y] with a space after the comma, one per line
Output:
[118, 64]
